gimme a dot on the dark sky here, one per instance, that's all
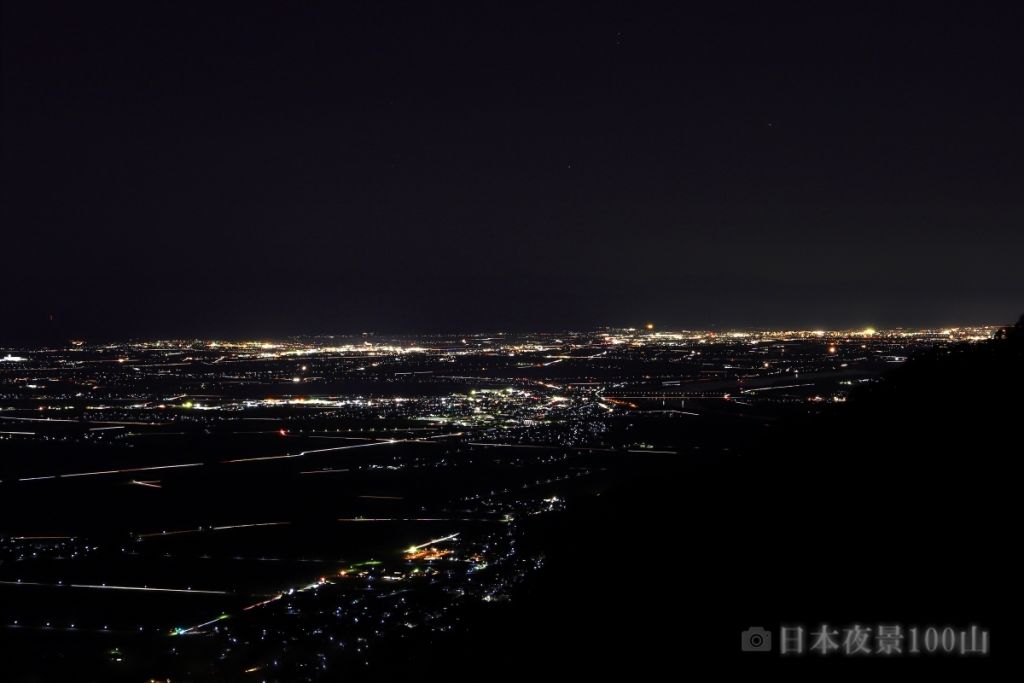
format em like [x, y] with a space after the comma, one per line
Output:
[261, 169]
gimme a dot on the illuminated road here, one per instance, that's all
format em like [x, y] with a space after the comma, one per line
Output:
[92, 586]
[383, 442]
[126, 470]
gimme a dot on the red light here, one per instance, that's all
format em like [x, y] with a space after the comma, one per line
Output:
[284, 432]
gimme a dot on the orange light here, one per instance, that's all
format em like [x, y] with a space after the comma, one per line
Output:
[426, 553]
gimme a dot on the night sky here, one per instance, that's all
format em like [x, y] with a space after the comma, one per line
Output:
[263, 169]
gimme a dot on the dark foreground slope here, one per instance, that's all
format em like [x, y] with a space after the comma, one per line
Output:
[897, 508]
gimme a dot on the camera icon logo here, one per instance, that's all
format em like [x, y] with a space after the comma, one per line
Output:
[756, 639]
